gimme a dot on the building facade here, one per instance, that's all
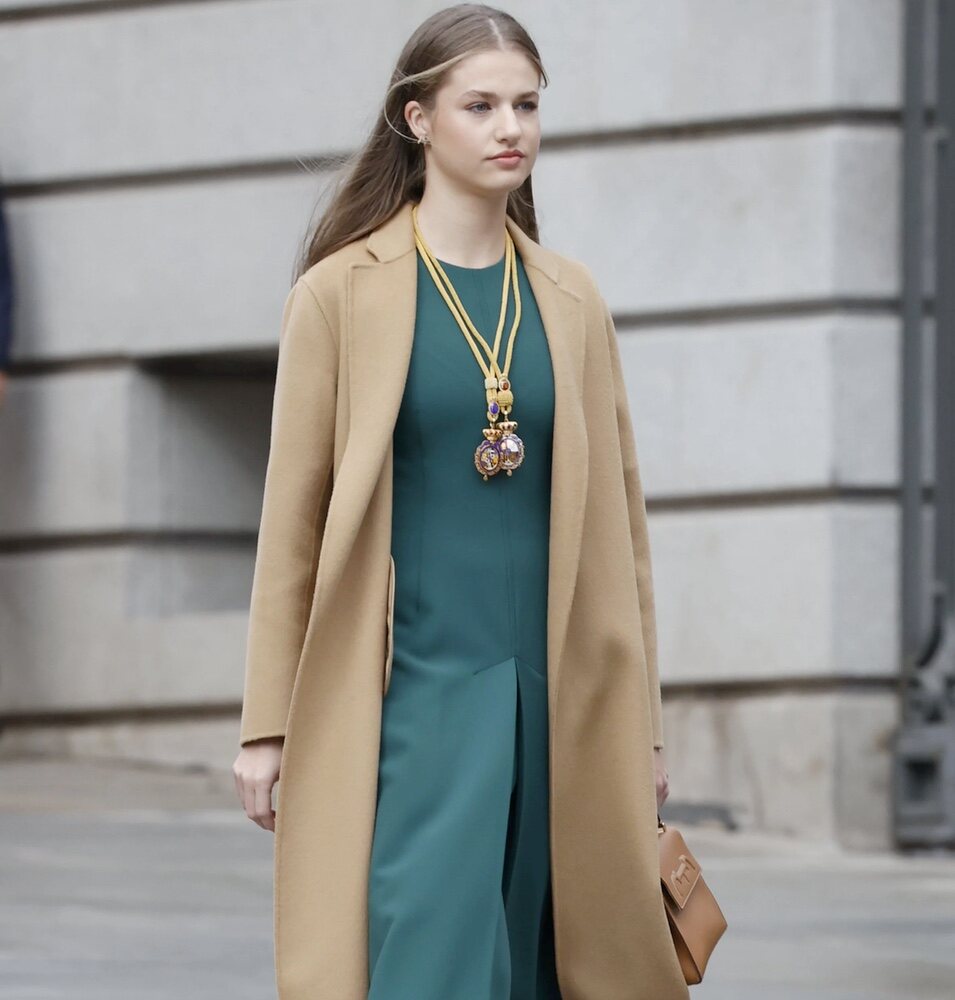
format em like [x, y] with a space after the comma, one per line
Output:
[161, 163]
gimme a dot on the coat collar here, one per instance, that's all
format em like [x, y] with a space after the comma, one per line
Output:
[380, 319]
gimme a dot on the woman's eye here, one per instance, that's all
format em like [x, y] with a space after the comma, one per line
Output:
[483, 104]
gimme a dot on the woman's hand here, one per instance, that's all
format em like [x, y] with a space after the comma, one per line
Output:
[255, 771]
[663, 787]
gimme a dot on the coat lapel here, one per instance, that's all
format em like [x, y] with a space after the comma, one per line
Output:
[380, 310]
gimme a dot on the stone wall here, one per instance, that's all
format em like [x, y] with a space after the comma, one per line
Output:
[162, 162]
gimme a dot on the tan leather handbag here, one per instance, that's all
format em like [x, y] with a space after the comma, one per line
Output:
[695, 918]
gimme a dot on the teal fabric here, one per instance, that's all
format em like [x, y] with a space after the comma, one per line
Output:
[459, 886]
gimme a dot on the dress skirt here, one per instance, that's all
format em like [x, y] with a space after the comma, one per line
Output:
[459, 894]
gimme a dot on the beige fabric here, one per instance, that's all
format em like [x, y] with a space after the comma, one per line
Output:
[319, 627]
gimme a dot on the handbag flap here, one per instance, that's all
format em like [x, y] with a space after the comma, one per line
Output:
[679, 870]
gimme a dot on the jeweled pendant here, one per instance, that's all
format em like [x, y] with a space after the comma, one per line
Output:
[510, 446]
[487, 455]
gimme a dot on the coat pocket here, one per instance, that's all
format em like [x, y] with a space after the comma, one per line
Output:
[389, 624]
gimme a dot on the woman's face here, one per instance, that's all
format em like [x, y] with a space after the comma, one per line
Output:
[468, 128]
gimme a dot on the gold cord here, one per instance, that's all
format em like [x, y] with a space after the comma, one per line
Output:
[460, 314]
[502, 449]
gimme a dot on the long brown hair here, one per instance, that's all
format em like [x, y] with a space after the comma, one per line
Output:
[389, 168]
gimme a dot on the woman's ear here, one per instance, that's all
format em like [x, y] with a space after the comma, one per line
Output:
[415, 117]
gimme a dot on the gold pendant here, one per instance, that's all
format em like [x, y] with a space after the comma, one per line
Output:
[501, 447]
[487, 455]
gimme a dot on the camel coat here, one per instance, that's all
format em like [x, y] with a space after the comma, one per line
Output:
[320, 644]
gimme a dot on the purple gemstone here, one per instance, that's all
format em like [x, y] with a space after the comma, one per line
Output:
[494, 408]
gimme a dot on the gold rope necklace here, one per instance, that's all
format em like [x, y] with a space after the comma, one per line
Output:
[501, 447]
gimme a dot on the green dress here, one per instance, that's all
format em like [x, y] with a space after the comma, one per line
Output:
[459, 887]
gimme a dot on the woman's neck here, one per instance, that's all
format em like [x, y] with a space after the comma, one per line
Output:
[468, 232]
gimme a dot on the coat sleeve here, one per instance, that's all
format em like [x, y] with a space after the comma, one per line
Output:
[298, 482]
[638, 528]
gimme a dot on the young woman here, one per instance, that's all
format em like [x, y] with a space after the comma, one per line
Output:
[453, 531]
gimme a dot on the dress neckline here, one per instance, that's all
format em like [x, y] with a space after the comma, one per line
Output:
[472, 270]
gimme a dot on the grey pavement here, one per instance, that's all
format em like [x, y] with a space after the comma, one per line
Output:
[143, 883]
